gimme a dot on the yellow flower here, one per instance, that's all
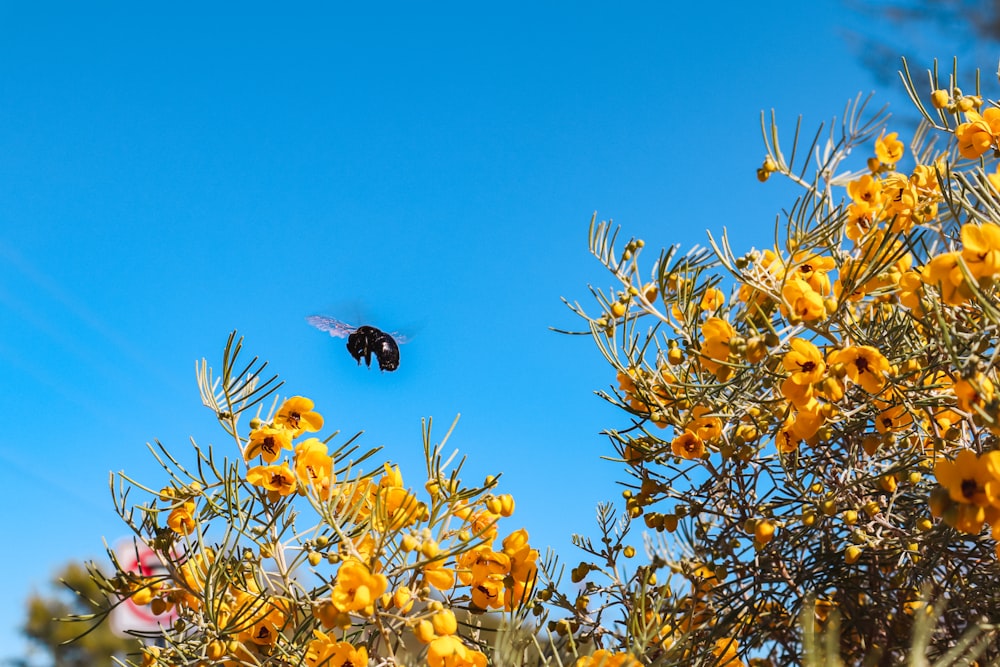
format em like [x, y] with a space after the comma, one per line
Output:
[968, 518]
[978, 133]
[944, 272]
[278, 480]
[865, 190]
[910, 290]
[329, 616]
[893, 419]
[449, 651]
[488, 594]
[717, 333]
[268, 619]
[357, 588]
[972, 392]
[326, 651]
[688, 445]
[802, 301]
[771, 269]
[901, 199]
[437, 575]
[888, 149]
[786, 440]
[981, 248]
[392, 476]
[403, 599]
[705, 427]
[444, 622]
[725, 652]
[925, 178]
[396, 508]
[523, 568]
[813, 269]
[971, 479]
[312, 464]
[860, 220]
[806, 423]
[181, 519]
[296, 414]
[802, 396]
[712, 299]
[804, 361]
[481, 522]
[865, 366]
[267, 442]
[605, 658]
[481, 563]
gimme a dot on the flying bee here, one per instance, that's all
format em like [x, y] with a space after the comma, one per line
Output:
[363, 341]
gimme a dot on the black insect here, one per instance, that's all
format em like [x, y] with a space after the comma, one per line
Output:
[363, 341]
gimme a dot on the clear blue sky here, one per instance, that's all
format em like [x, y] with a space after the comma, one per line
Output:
[170, 172]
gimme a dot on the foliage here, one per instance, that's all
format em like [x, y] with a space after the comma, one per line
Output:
[812, 443]
[76, 594]
[308, 560]
[816, 422]
[920, 31]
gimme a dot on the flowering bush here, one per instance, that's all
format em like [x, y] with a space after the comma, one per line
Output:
[812, 446]
[816, 422]
[290, 556]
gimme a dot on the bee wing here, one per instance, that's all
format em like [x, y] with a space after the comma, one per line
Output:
[335, 328]
[399, 338]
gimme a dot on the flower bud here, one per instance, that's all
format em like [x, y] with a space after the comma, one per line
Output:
[444, 622]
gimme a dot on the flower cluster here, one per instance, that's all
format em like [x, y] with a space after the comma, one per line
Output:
[380, 572]
[832, 420]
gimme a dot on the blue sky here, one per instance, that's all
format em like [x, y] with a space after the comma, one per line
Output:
[169, 173]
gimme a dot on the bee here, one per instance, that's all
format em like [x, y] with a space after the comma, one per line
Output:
[363, 341]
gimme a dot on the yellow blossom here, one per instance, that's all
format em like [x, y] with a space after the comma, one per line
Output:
[296, 414]
[449, 651]
[801, 395]
[706, 427]
[713, 299]
[943, 271]
[326, 651]
[973, 392]
[813, 269]
[726, 653]
[860, 220]
[277, 480]
[978, 133]
[970, 478]
[910, 291]
[605, 658]
[895, 418]
[688, 445]
[267, 442]
[981, 249]
[802, 301]
[312, 464]
[865, 366]
[181, 519]
[889, 149]
[804, 361]
[865, 190]
[357, 588]
[396, 508]
[717, 332]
